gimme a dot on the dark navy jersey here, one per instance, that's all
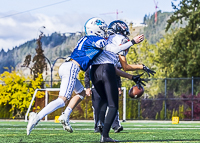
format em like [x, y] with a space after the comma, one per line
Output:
[87, 49]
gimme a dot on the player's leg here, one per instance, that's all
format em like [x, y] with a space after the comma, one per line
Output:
[95, 104]
[34, 118]
[79, 90]
[64, 118]
[116, 125]
[106, 74]
[102, 111]
[101, 105]
[111, 90]
[65, 72]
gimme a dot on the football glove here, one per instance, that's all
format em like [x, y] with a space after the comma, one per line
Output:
[149, 71]
[139, 85]
[138, 80]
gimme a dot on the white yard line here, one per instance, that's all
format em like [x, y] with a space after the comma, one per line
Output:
[127, 121]
[74, 124]
[93, 129]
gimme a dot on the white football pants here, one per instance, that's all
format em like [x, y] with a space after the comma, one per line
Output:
[68, 72]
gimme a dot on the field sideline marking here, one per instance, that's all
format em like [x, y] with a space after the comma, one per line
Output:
[58, 124]
[93, 129]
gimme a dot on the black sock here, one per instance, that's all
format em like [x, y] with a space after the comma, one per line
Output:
[109, 120]
[102, 112]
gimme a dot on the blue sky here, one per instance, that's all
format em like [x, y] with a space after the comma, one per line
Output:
[21, 20]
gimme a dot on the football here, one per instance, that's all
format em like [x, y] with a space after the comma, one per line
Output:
[135, 92]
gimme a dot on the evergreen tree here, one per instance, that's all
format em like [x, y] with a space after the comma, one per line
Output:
[39, 59]
[185, 50]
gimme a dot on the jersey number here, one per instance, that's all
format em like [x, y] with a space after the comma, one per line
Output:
[80, 42]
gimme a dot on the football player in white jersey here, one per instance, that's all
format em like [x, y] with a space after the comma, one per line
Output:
[105, 81]
[103, 76]
[118, 32]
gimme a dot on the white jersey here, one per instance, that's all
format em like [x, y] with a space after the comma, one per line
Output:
[116, 44]
[106, 57]
[119, 45]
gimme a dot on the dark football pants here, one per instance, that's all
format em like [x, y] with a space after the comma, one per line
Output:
[103, 78]
[95, 103]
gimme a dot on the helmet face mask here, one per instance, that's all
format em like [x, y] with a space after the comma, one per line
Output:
[96, 26]
[118, 27]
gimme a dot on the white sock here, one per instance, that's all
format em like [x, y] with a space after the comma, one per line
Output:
[68, 111]
[52, 106]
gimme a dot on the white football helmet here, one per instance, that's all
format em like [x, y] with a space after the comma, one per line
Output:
[96, 26]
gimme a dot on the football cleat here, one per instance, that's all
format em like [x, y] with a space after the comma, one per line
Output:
[96, 130]
[107, 139]
[33, 120]
[64, 120]
[118, 129]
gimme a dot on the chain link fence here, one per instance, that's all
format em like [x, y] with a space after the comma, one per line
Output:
[162, 99]
[165, 98]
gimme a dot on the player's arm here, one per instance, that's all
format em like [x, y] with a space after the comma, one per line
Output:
[128, 67]
[131, 67]
[135, 78]
[128, 44]
[119, 83]
[138, 39]
[87, 82]
[125, 44]
[122, 74]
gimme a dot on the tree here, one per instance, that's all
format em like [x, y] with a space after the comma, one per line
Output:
[27, 62]
[17, 90]
[185, 50]
[38, 60]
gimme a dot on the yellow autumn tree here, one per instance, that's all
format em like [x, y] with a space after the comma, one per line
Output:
[16, 91]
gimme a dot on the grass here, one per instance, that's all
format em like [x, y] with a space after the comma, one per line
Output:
[15, 131]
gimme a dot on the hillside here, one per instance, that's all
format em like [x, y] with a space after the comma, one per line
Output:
[55, 45]
[154, 31]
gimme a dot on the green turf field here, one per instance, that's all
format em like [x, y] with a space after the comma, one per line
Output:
[15, 131]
